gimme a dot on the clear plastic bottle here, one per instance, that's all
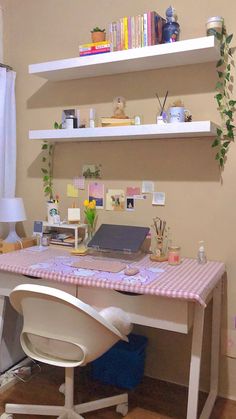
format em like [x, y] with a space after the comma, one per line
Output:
[201, 256]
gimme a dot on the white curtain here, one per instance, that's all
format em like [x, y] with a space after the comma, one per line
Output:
[7, 134]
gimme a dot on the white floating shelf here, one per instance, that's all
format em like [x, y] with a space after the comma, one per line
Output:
[132, 132]
[191, 51]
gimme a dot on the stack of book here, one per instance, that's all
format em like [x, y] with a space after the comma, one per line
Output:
[115, 122]
[94, 48]
[62, 239]
[136, 31]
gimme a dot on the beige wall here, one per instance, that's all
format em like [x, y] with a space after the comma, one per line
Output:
[199, 204]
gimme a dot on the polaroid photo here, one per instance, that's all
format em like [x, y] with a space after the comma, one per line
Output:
[147, 187]
[115, 200]
[130, 203]
[158, 198]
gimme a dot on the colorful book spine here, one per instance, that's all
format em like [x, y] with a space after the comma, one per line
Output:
[145, 30]
[101, 51]
[126, 37]
[94, 44]
[129, 33]
[136, 31]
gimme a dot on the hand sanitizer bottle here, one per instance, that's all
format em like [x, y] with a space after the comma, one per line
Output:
[201, 256]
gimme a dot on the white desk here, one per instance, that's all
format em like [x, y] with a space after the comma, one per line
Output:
[174, 301]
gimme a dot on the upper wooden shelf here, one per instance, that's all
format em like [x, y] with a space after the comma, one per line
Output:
[190, 51]
[133, 132]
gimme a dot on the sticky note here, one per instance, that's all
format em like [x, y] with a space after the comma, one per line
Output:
[72, 192]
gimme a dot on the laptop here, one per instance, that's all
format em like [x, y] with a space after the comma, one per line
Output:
[121, 238]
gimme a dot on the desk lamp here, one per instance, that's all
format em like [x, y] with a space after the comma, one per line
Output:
[11, 211]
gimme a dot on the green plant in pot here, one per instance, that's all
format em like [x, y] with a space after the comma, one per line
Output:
[98, 34]
[225, 103]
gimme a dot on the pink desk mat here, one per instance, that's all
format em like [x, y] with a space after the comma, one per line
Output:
[188, 281]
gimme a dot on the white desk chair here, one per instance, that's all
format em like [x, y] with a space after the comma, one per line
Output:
[61, 330]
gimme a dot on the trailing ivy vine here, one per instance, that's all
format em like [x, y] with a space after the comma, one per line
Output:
[225, 103]
[47, 169]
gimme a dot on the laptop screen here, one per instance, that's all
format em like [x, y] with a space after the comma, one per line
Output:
[119, 238]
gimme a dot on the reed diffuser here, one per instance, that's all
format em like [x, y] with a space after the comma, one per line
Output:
[160, 252]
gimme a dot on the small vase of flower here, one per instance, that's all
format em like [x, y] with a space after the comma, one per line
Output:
[91, 216]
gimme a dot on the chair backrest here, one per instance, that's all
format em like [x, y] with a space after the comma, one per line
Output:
[60, 329]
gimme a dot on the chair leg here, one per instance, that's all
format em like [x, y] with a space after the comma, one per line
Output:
[70, 415]
[121, 401]
[69, 388]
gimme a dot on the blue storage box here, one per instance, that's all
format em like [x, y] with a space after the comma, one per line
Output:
[123, 364]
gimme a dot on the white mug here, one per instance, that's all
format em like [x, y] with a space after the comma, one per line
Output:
[176, 114]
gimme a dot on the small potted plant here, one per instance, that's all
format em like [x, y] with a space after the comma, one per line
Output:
[98, 35]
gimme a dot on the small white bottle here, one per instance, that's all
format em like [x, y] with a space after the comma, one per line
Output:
[201, 256]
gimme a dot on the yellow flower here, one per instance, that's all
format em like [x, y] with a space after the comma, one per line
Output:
[92, 204]
[86, 203]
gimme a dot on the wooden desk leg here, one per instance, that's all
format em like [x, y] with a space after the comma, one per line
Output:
[215, 352]
[195, 362]
[2, 311]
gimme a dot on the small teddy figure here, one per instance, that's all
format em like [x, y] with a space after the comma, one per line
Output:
[119, 108]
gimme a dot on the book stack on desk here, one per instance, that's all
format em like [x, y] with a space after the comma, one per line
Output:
[63, 239]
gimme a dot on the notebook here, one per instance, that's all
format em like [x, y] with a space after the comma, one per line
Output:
[119, 238]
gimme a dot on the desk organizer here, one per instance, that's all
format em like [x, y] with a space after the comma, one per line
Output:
[123, 365]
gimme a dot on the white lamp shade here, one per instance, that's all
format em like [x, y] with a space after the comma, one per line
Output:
[12, 210]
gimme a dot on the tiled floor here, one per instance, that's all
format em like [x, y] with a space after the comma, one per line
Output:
[152, 399]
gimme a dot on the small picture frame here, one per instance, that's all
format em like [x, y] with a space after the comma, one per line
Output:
[129, 203]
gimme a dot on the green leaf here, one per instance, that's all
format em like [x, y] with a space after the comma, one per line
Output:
[44, 146]
[228, 113]
[223, 151]
[220, 63]
[218, 36]
[45, 171]
[45, 178]
[44, 159]
[220, 74]
[56, 125]
[226, 144]
[230, 134]
[216, 142]
[219, 85]
[219, 96]
[232, 102]
[48, 190]
[221, 162]
[219, 132]
[217, 156]
[229, 39]
[227, 76]
[228, 67]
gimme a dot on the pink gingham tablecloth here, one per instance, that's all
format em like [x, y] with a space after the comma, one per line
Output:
[188, 281]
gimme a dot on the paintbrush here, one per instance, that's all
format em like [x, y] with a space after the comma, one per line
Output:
[159, 100]
[163, 107]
